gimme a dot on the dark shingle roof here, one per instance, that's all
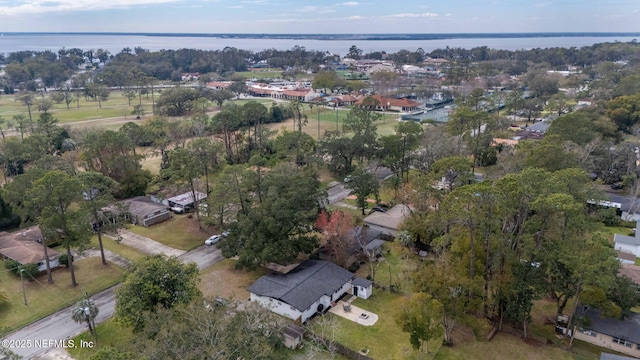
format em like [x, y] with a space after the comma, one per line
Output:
[304, 285]
[361, 282]
[628, 329]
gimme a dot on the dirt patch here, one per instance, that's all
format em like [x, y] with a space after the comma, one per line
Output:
[225, 281]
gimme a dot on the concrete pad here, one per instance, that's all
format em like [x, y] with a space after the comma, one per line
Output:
[147, 245]
[357, 315]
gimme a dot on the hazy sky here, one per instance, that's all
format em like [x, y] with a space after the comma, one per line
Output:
[320, 16]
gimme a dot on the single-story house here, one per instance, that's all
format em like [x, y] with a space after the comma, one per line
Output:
[388, 222]
[391, 104]
[25, 247]
[309, 288]
[143, 211]
[539, 127]
[628, 244]
[185, 201]
[619, 335]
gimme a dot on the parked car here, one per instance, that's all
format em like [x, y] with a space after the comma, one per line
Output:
[348, 179]
[177, 210]
[225, 233]
[212, 240]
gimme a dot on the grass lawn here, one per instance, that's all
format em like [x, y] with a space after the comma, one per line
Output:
[117, 248]
[223, 280]
[399, 262]
[179, 232]
[267, 73]
[502, 346]
[385, 339]
[109, 334]
[116, 106]
[44, 299]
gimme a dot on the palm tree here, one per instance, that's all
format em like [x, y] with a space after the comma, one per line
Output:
[85, 310]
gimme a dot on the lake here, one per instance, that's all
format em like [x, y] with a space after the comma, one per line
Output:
[116, 42]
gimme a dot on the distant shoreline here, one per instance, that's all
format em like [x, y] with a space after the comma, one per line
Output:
[359, 37]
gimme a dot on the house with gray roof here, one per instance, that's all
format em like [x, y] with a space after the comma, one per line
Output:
[309, 288]
[388, 222]
[622, 336]
[628, 244]
[143, 211]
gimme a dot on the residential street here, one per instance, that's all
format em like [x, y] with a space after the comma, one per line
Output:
[59, 325]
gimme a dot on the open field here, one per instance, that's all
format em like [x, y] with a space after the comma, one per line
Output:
[116, 105]
[223, 280]
[44, 299]
[180, 232]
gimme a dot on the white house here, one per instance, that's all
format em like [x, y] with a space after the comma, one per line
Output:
[628, 244]
[618, 335]
[307, 289]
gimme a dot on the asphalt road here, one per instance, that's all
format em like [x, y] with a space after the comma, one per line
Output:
[38, 337]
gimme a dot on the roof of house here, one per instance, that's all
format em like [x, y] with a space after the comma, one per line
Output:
[297, 92]
[374, 244]
[142, 206]
[361, 282]
[630, 271]
[387, 101]
[626, 256]
[186, 198]
[390, 219]
[540, 127]
[628, 329]
[22, 246]
[304, 285]
[607, 356]
[627, 240]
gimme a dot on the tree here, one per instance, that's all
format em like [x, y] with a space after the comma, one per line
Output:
[238, 87]
[56, 192]
[85, 310]
[211, 329]
[624, 111]
[354, 53]
[176, 101]
[395, 148]
[97, 191]
[337, 235]
[220, 96]
[278, 228]
[326, 80]
[419, 316]
[454, 171]
[152, 283]
[363, 184]
[558, 103]
[27, 100]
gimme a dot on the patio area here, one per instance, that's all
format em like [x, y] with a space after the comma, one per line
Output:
[354, 313]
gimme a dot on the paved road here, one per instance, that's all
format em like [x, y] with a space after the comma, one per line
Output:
[59, 325]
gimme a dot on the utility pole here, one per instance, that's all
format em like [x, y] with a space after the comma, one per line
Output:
[24, 294]
[337, 118]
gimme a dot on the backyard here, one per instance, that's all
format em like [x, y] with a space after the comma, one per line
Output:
[223, 280]
[44, 299]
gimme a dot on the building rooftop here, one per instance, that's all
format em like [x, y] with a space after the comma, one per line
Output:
[628, 329]
[186, 198]
[304, 285]
[23, 246]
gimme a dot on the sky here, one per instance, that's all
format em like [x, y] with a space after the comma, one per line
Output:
[320, 16]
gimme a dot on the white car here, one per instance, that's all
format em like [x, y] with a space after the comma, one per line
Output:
[212, 240]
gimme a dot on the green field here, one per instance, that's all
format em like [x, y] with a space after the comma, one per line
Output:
[115, 106]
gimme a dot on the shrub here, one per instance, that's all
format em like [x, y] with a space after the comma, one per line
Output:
[64, 260]
[12, 265]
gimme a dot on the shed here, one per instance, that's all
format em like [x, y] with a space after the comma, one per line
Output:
[185, 201]
[362, 288]
[293, 335]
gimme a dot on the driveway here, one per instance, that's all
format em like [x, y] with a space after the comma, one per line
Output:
[147, 245]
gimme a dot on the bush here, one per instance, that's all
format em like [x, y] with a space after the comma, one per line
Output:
[12, 265]
[64, 260]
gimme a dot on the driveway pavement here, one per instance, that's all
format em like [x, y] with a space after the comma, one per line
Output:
[147, 245]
